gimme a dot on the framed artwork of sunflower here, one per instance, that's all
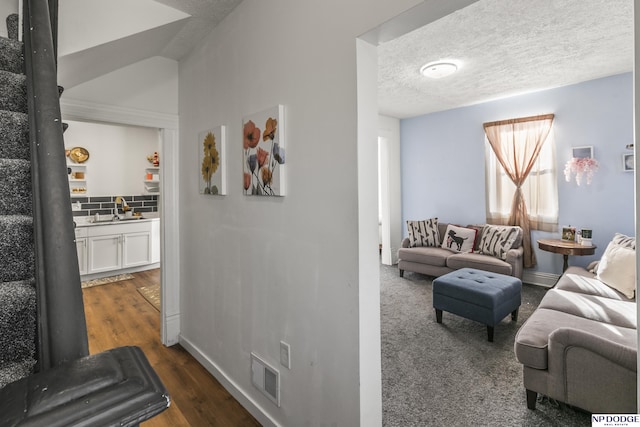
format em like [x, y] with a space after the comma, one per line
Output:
[211, 145]
[263, 148]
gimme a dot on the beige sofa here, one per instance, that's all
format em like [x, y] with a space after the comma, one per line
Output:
[580, 345]
[436, 260]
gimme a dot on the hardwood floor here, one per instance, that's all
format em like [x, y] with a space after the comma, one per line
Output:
[117, 315]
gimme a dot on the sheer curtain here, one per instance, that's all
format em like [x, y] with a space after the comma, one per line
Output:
[516, 146]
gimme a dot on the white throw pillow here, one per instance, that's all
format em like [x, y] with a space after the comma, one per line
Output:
[617, 269]
[459, 239]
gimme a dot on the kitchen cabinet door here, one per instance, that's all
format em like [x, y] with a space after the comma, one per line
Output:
[81, 248]
[136, 249]
[155, 241]
[104, 253]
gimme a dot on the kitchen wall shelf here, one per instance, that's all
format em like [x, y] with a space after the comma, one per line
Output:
[77, 179]
[152, 180]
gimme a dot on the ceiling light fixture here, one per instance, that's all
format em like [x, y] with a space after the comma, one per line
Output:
[439, 69]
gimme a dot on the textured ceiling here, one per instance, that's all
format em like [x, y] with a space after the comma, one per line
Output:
[507, 47]
[205, 14]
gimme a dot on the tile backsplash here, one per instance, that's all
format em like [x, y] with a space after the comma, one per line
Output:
[104, 205]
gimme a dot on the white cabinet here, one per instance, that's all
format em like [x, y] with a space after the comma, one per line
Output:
[136, 249]
[117, 246]
[155, 240]
[81, 248]
[104, 253]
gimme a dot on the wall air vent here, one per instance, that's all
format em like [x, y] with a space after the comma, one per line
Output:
[265, 378]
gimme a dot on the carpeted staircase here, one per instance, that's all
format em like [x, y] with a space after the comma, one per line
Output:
[17, 283]
[47, 377]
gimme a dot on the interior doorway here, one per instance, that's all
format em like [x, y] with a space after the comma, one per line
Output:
[416, 18]
[367, 129]
[167, 126]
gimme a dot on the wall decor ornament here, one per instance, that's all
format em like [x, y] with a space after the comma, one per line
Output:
[580, 167]
[211, 145]
[581, 164]
[585, 152]
[263, 145]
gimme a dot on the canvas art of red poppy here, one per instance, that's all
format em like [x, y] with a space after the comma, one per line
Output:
[263, 146]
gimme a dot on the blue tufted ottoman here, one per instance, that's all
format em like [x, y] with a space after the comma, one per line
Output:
[477, 295]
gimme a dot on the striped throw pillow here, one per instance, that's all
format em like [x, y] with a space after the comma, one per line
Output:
[423, 233]
[498, 239]
[624, 241]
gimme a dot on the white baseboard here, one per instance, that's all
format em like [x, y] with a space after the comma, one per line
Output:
[546, 280]
[171, 332]
[249, 404]
[137, 269]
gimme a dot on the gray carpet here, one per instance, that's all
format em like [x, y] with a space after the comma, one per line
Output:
[449, 374]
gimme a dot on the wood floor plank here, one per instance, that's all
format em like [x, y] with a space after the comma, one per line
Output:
[117, 315]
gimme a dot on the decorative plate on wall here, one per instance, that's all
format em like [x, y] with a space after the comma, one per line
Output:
[79, 155]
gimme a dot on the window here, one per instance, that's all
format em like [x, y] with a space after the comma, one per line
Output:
[521, 176]
[540, 189]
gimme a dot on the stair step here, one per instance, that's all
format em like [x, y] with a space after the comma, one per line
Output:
[13, 96]
[18, 326]
[13, 24]
[14, 135]
[14, 371]
[16, 248]
[15, 187]
[11, 55]
[17, 320]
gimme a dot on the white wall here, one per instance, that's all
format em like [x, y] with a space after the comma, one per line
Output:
[117, 155]
[391, 196]
[636, 126]
[7, 7]
[87, 23]
[255, 271]
[370, 367]
[148, 85]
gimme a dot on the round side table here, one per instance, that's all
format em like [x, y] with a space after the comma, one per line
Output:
[566, 248]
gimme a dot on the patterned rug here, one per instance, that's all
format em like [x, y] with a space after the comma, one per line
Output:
[105, 280]
[152, 294]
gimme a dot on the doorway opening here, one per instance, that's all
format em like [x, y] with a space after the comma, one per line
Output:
[167, 205]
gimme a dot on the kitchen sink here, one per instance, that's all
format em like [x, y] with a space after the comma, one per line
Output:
[112, 220]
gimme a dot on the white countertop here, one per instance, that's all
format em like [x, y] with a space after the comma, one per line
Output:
[88, 221]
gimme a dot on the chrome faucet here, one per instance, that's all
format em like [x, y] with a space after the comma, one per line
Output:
[121, 200]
